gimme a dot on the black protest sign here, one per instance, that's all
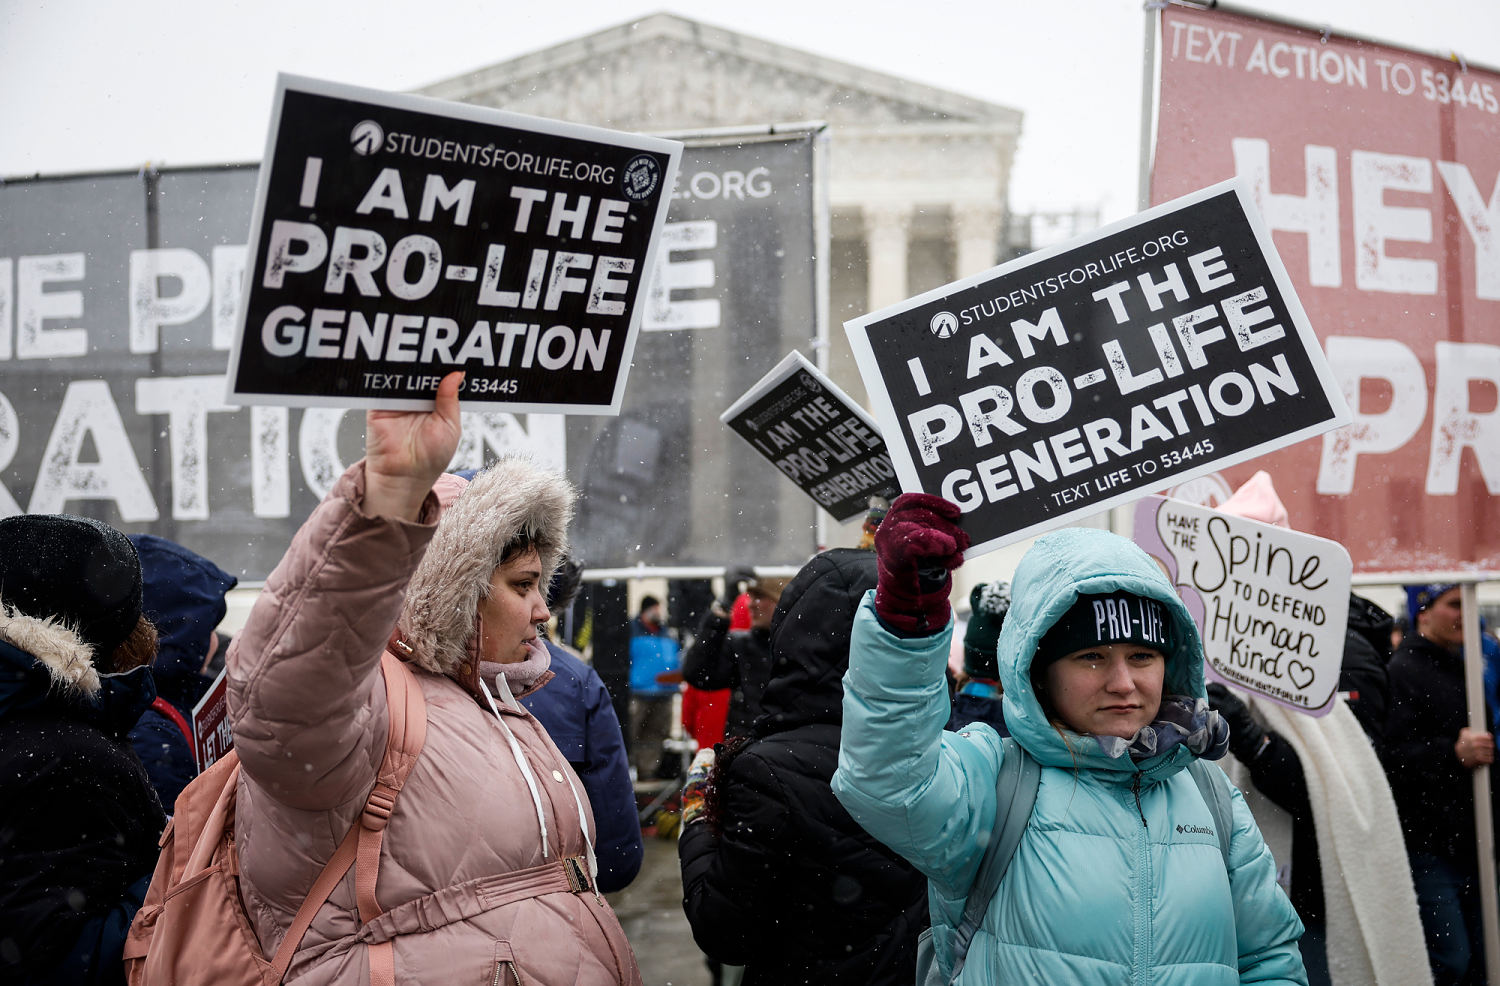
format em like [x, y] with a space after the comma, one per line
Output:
[1161, 348]
[397, 238]
[820, 439]
[130, 285]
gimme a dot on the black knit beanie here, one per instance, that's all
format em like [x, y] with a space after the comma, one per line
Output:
[73, 569]
[989, 602]
[1112, 618]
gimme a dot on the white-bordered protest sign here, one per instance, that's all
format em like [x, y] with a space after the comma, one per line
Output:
[820, 439]
[1272, 604]
[396, 238]
[1158, 349]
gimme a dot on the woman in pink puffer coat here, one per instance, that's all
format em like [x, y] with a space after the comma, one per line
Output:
[486, 867]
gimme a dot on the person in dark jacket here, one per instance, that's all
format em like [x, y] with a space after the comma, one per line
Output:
[776, 875]
[575, 709]
[979, 696]
[1432, 754]
[739, 660]
[182, 594]
[79, 821]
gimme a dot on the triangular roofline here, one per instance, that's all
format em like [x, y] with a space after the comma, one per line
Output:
[674, 27]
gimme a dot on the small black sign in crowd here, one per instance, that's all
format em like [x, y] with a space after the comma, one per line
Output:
[821, 440]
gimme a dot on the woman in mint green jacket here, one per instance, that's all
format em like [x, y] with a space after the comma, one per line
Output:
[1119, 877]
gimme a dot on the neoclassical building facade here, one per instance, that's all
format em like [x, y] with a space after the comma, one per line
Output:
[917, 176]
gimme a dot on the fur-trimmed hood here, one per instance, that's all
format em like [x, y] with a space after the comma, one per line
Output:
[44, 663]
[56, 647]
[514, 496]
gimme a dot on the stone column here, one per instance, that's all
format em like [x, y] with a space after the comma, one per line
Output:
[886, 241]
[976, 236]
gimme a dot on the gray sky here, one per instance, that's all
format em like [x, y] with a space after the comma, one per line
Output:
[89, 86]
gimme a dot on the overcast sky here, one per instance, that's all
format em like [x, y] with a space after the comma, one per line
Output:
[87, 85]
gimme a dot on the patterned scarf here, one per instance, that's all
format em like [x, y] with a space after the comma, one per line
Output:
[1181, 719]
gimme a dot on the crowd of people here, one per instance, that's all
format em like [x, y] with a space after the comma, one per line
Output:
[871, 802]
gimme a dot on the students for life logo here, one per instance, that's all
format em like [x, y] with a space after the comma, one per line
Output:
[944, 324]
[367, 137]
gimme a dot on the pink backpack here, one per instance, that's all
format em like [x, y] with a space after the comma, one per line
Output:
[193, 928]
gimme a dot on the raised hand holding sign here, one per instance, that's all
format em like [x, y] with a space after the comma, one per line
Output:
[406, 451]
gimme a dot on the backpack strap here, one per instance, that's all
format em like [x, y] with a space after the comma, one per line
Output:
[408, 732]
[1015, 795]
[169, 712]
[407, 712]
[1214, 786]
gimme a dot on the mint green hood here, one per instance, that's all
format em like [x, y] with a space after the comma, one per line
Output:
[1058, 569]
[1120, 875]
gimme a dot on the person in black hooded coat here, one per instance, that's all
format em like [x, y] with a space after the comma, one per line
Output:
[79, 820]
[776, 875]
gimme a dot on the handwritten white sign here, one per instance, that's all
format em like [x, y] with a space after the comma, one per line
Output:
[1272, 604]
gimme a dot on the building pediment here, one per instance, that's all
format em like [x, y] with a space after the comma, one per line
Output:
[665, 73]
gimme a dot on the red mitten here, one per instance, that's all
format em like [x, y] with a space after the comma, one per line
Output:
[917, 547]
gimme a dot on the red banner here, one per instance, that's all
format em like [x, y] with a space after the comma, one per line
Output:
[211, 724]
[1378, 172]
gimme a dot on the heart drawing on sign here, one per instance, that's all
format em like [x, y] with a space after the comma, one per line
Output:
[1300, 673]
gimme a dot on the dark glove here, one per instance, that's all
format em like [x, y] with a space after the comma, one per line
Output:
[1247, 738]
[917, 547]
[735, 577]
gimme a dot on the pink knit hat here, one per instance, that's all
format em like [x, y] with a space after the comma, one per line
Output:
[1257, 500]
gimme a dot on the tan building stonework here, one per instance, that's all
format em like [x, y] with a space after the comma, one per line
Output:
[917, 176]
